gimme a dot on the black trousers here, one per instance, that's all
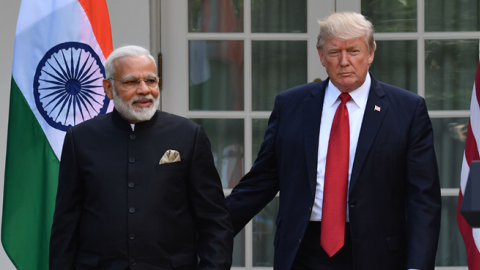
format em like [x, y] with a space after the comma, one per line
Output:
[311, 256]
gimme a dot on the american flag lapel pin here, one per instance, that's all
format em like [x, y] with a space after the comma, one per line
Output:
[377, 109]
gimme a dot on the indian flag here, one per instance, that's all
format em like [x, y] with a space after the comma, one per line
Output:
[60, 48]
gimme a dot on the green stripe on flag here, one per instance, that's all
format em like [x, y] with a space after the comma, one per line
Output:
[31, 175]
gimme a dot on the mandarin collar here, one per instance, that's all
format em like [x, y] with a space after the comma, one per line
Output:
[124, 124]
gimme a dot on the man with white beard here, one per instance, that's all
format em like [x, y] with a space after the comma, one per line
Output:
[138, 188]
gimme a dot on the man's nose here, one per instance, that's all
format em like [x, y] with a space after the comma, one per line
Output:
[142, 88]
[344, 61]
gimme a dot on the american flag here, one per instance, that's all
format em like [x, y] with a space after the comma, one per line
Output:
[471, 236]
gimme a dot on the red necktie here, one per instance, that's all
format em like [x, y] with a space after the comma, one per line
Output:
[336, 181]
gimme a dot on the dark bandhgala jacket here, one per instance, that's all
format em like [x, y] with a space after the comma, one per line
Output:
[394, 192]
[118, 208]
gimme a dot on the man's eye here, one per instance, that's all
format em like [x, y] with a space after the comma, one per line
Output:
[151, 81]
[131, 82]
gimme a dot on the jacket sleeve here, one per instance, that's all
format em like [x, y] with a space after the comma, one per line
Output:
[423, 202]
[212, 220]
[68, 209]
[258, 187]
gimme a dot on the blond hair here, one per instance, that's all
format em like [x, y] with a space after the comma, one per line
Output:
[346, 25]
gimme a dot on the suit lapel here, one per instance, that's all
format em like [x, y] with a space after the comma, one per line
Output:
[312, 113]
[372, 121]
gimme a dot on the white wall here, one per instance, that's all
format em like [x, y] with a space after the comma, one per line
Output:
[130, 25]
[130, 22]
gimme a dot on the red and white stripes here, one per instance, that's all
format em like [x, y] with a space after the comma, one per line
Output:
[471, 236]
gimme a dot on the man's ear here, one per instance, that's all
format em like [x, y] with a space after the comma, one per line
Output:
[370, 58]
[108, 88]
[320, 53]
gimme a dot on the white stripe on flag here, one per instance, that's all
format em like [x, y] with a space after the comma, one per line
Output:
[38, 20]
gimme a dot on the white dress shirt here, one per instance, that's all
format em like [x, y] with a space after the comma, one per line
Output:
[356, 109]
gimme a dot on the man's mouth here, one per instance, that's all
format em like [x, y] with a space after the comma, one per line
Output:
[143, 103]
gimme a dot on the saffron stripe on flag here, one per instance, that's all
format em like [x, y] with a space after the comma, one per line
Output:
[97, 13]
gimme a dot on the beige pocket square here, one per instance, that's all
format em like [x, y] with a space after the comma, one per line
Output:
[170, 156]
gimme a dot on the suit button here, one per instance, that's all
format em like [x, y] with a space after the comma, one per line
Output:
[131, 184]
[309, 209]
[131, 210]
[133, 137]
[299, 241]
[352, 205]
[133, 262]
[132, 236]
[131, 160]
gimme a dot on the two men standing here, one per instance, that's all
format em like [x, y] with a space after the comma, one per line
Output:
[352, 158]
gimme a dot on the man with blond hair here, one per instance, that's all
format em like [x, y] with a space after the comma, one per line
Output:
[137, 187]
[354, 162]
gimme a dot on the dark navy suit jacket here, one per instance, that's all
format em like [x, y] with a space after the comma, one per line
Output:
[394, 193]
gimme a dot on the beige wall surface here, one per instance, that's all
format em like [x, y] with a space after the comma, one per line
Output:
[130, 25]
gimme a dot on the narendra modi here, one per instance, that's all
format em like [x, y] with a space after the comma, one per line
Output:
[137, 187]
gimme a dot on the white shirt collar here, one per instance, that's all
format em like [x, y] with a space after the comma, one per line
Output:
[359, 95]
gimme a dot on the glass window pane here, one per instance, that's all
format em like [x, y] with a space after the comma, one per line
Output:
[215, 16]
[452, 15]
[391, 16]
[395, 63]
[259, 126]
[449, 138]
[450, 67]
[279, 16]
[238, 258]
[263, 226]
[227, 141]
[451, 248]
[276, 67]
[216, 75]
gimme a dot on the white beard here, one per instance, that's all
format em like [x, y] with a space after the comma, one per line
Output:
[133, 113]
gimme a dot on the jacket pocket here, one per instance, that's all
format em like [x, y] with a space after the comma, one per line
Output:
[183, 259]
[179, 165]
[396, 243]
[174, 170]
[87, 258]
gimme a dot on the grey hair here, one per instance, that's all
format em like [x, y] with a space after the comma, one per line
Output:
[126, 50]
[346, 25]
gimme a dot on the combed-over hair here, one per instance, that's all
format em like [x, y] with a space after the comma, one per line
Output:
[126, 50]
[346, 25]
